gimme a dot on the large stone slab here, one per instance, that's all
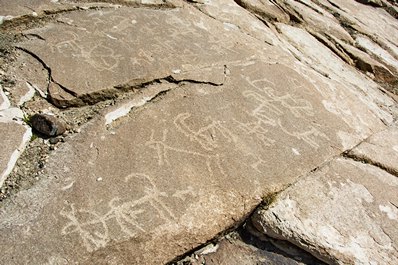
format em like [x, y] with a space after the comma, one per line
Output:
[12, 142]
[103, 51]
[234, 17]
[29, 77]
[338, 74]
[319, 19]
[170, 175]
[381, 28]
[380, 149]
[24, 7]
[14, 136]
[221, 120]
[344, 213]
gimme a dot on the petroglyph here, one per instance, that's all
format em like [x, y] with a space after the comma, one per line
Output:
[270, 107]
[100, 55]
[212, 161]
[257, 129]
[265, 95]
[308, 136]
[93, 226]
[204, 136]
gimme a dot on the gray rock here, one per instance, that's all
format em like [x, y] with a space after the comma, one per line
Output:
[47, 124]
[344, 213]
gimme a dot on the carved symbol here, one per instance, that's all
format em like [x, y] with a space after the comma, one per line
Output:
[162, 149]
[308, 136]
[204, 136]
[93, 228]
[269, 107]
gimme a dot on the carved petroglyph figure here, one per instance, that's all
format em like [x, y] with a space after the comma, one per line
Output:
[308, 136]
[212, 161]
[270, 107]
[204, 136]
[101, 56]
[93, 227]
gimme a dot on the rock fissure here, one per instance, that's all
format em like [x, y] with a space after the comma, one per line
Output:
[105, 94]
[213, 121]
[367, 160]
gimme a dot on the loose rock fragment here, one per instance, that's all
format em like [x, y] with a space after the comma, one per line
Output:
[48, 125]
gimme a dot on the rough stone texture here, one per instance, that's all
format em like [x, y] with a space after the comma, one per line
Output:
[265, 9]
[382, 28]
[14, 136]
[205, 109]
[29, 76]
[236, 18]
[241, 248]
[377, 3]
[367, 64]
[4, 102]
[23, 7]
[344, 213]
[380, 149]
[104, 61]
[47, 124]
[175, 170]
[12, 141]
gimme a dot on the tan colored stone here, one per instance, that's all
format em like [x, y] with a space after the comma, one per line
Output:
[225, 111]
[235, 249]
[365, 63]
[319, 20]
[88, 59]
[381, 27]
[265, 9]
[178, 170]
[12, 143]
[25, 7]
[236, 18]
[30, 77]
[338, 74]
[344, 213]
[4, 102]
[380, 149]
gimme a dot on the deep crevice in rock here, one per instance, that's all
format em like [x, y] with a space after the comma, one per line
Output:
[367, 160]
[103, 94]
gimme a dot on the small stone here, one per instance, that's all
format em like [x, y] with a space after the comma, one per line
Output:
[41, 164]
[54, 140]
[99, 179]
[48, 125]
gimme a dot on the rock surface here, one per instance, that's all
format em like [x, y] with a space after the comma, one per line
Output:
[14, 136]
[47, 124]
[187, 115]
[344, 213]
[380, 149]
[242, 248]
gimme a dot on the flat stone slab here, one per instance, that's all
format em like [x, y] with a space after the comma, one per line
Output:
[219, 118]
[12, 142]
[178, 170]
[344, 213]
[92, 61]
[380, 149]
[29, 76]
[14, 136]
[24, 7]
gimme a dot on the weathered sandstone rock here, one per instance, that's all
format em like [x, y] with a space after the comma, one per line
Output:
[380, 149]
[344, 213]
[196, 113]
